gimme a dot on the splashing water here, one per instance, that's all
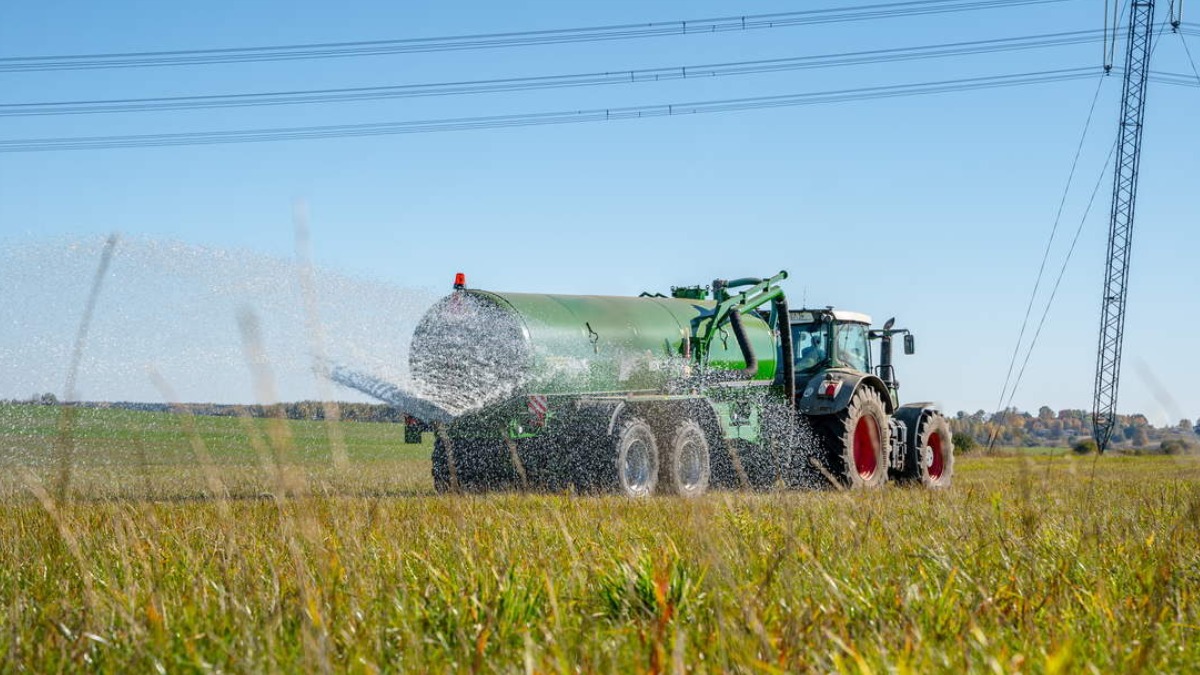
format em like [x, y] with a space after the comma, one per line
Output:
[174, 307]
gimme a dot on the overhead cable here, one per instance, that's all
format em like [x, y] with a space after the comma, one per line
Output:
[1037, 284]
[323, 50]
[1062, 270]
[537, 119]
[711, 70]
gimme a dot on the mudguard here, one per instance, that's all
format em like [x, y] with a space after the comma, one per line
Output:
[810, 403]
[911, 413]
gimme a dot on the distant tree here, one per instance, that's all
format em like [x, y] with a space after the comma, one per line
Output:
[964, 443]
[48, 399]
[1056, 430]
[1185, 424]
[1085, 446]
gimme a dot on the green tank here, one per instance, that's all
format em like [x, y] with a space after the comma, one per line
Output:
[477, 347]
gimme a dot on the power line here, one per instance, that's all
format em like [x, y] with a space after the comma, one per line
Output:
[1062, 272]
[342, 95]
[187, 57]
[539, 119]
[338, 95]
[1037, 284]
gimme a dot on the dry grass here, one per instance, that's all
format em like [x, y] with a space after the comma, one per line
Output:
[1048, 564]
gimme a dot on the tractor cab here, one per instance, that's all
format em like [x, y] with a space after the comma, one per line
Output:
[825, 340]
[830, 338]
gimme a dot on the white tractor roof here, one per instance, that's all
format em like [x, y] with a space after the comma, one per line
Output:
[806, 315]
[856, 317]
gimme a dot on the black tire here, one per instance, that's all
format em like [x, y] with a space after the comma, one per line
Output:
[629, 465]
[548, 466]
[856, 441]
[930, 460]
[441, 467]
[481, 465]
[686, 466]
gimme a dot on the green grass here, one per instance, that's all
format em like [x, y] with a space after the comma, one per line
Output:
[1030, 564]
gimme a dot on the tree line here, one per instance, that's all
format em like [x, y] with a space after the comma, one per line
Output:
[295, 410]
[1066, 428]
[1008, 428]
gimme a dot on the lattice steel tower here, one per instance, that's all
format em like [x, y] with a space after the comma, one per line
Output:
[1120, 228]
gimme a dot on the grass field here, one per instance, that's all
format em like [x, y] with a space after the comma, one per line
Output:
[239, 547]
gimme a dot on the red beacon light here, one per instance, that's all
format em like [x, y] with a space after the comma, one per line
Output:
[460, 281]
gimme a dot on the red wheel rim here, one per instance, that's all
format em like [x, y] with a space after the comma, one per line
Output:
[938, 464]
[866, 447]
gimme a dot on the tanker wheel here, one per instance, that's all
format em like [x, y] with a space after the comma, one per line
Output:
[481, 465]
[857, 440]
[441, 467]
[546, 464]
[632, 468]
[932, 464]
[687, 468]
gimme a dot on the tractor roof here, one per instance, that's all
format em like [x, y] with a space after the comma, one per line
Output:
[798, 315]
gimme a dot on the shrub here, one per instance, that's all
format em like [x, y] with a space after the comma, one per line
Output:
[964, 443]
[1175, 446]
[1085, 446]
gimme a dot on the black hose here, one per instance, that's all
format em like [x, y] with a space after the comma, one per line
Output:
[783, 323]
[739, 332]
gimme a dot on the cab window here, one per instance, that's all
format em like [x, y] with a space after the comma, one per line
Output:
[809, 345]
[852, 347]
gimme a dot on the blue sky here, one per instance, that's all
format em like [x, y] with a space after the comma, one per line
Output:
[935, 209]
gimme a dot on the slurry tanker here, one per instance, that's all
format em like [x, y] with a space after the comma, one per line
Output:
[709, 387]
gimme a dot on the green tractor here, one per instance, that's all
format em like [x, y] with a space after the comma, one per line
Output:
[854, 408]
[706, 388]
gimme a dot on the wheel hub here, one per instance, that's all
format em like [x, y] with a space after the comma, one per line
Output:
[691, 465]
[866, 448]
[937, 462]
[637, 466]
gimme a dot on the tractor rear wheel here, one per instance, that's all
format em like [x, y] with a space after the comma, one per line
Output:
[857, 440]
[931, 461]
[630, 465]
[687, 468]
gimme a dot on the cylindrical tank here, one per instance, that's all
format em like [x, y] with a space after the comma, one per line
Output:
[476, 347]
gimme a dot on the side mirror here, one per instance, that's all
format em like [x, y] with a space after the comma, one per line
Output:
[910, 344]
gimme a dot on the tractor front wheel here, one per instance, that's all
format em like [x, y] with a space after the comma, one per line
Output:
[931, 461]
